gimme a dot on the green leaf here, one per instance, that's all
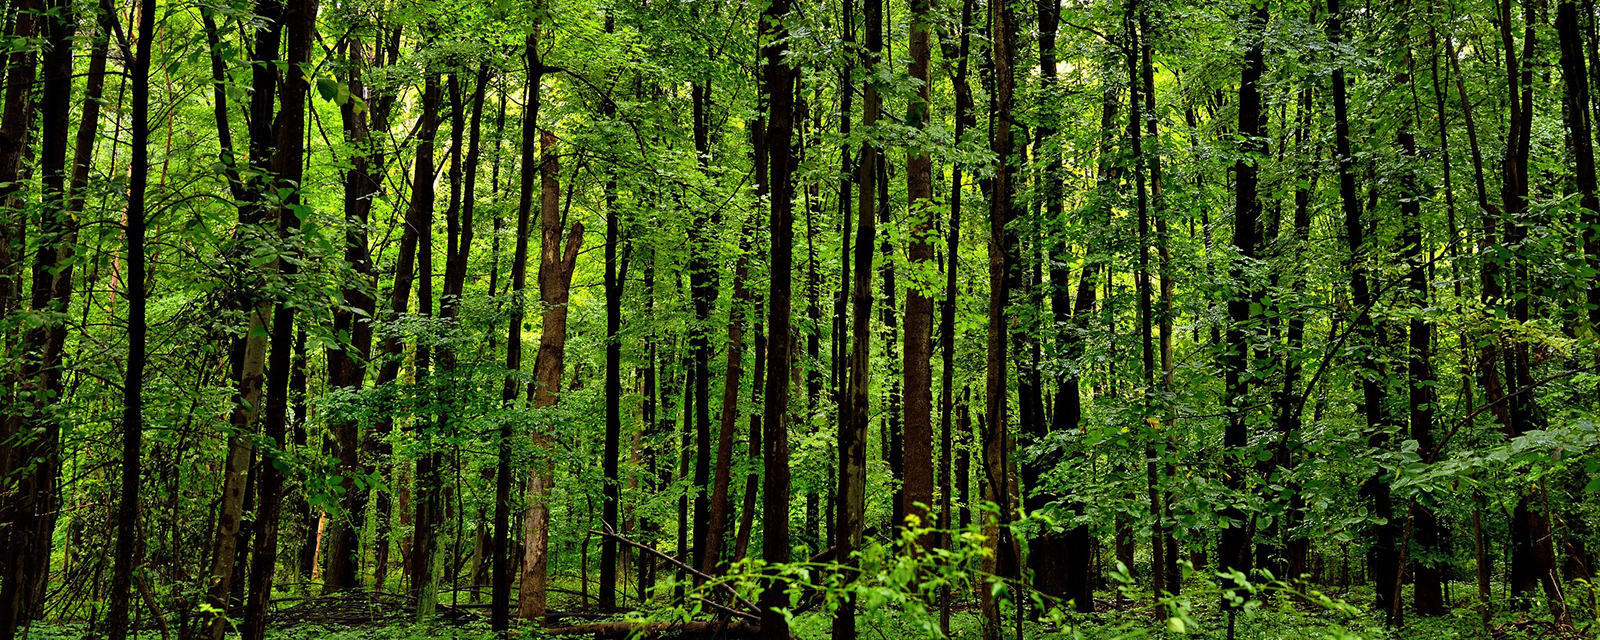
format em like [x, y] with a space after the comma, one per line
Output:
[328, 88]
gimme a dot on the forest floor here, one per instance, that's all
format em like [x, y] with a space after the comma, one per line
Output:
[1280, 618]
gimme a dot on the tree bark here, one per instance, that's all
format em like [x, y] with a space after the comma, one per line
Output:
[426, 496]
[1575, 75]
[500, 595]
[1001, 556]
[850, 524]
[31, 500]
[717, 525]
[555, 281]
[299, 22]
[917, 496]
[777, 87]
[1234, 549]
[956, 49]
[128, 555]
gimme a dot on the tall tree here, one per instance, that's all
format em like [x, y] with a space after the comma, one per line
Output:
[426, 498]
[556, 261]
[1000, 559]
[30, 443]
[917, 496]
[347, 364]
[1243, 306]
[128, 555]
[299, 20]
[850, 522]
[954, 48]
[500, 596]
[1575, 75]
[777, 89]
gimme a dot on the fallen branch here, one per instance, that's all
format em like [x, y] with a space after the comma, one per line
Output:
[697, 629]
[687, 569]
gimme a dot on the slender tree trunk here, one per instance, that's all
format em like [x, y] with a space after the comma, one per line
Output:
[347, 364]
[613, 389]
[850, 523]
[1234, 552]
[1373, 490]
[427, 496]
[1428, 587]
[16, 125]
[702, 297]
[30, 503]
[752, 480]
[1575, 75]
[1136, 123]
[1001, 556]
[128, 555]
[954, 49]
[717, 526]
[299, 21]
[500, 596]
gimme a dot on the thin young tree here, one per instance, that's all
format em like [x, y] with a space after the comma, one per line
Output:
[128, 556]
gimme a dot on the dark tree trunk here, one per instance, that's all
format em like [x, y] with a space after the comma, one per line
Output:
[917, 495]
[752, 480]
[127, 546]
[955, 48]
[500, 595]
[32, 439]
[1136, 45]
[850, 523]
[1428, 580]
[1374, 490]
[1574, 73]
[1003, 267]
[777, 87]
[1234, 552]
[717, 526]
[702, 296]
[299, 22]
[347, 364]
[613, 444]
[426, 496]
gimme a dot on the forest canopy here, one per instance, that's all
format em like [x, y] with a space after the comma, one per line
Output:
[799, 319]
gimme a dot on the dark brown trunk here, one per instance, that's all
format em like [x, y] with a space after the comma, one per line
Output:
[917, 494]
[347, 364]
[953, 48]
[612, 491]
[299, 21]
[1374, 490]
[1234, 551]
[29, 508]
[1003, 266]
[426, 496]
[1575, 75]
[777, 87]
[127, 548]
[702, 296]
[752, 481]
[1133, 23]
[500, 596]
[716, 528]
[850, 524]
[1428, 580]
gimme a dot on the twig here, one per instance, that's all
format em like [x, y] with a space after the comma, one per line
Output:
[690, 570]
